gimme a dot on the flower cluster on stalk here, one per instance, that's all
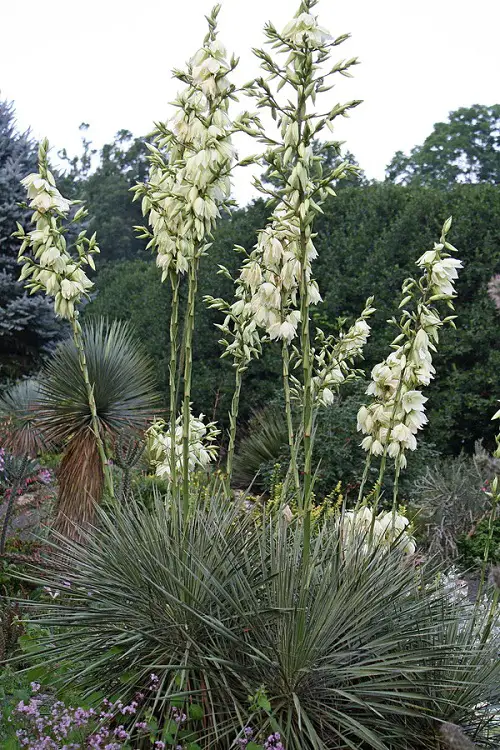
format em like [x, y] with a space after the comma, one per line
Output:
[387, 529]
[48, 264]
[272, 274]
[241, 339]
[190, 160]
[333, 357]
[397, 412]
[278, 272]
[202, 448]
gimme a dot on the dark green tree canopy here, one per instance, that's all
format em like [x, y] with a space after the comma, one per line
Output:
[466, 148]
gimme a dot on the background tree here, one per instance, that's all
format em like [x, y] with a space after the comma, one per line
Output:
[28, 328]
[106, 191]
[466, 148]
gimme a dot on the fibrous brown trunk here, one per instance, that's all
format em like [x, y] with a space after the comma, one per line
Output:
[81, 483]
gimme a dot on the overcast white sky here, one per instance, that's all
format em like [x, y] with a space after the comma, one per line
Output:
[108, 62]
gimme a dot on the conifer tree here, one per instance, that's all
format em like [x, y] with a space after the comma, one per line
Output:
[28, 327]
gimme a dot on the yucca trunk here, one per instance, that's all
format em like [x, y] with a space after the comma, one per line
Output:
[80, 486]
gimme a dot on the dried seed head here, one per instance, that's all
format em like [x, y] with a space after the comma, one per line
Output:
[454, 738]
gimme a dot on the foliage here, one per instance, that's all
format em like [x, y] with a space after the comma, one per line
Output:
[14, 472]
[370, 664]
[19, 428]
[125, 397]
[11, 628]
[35, 716]
[449, 498]
[466, 148]
[28, 328]
[337, 454]
[129, 450]
[122, 377]
[262, 445]
[472, 546]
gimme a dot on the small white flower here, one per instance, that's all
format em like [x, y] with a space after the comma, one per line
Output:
[305, 28]
[252, 275]
[287, 331]
[365, 421]
[314, 295]
[413, 401]
[327, 396]
[401, 433]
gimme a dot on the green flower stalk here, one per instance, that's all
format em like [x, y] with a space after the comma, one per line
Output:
[292, 444]
[190, 159]
[49, 266]
[241, 342]
[172, 369]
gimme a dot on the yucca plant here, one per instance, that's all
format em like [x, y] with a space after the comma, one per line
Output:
[371, 653]
[125, 398]
[20, 431]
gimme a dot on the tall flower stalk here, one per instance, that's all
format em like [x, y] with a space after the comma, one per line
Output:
[49, 266]
[190, 163]
[397, 412]
[172, 370]
[292, 444]
[292, 164]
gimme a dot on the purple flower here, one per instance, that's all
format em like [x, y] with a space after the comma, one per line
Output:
[45, 476]
[178, 716]
[274, 741]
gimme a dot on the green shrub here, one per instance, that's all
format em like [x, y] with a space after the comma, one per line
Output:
[472, 546]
